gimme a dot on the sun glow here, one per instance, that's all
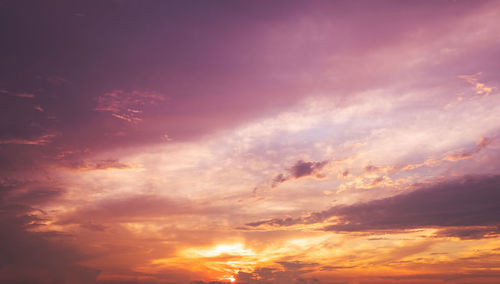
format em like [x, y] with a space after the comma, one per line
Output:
[236, 249]
[230, 279]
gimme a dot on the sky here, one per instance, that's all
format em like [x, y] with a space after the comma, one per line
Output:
[251, 142]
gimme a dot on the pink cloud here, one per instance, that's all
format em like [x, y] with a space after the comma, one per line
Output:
[127, 106]
[41, 140]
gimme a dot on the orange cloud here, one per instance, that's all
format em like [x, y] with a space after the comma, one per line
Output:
[481, 88]
[41, 140]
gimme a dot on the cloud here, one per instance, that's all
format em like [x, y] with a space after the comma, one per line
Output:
[124, 209]
[481, 88]
[127, 106]
[36, 196]
[288, 273]
[19, 95]
[275, 222]
[41, 140]
[470, 233]
[279, 179]
[38, 257]
[25, 95]
[301, 168]
[106, 164]
[29, 255]
[110, 164]
[133, 208]
[467, 154]
[463, 203]
[218, 80]
[454, 156]
[298, 170]
[56, 80]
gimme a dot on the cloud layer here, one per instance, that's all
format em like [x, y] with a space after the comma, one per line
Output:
[249, 142]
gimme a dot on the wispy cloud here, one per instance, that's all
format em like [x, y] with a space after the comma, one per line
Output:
[107, 164]
[467, 154]
[481, 88]
[41, 140]
[127, 106]
[25, 95]
[19, 95]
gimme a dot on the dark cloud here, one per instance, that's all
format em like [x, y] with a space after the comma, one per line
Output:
[470, 276]
[83, 165]
[371, 168]
[37, 196]
[377, 181]
[210, 282]
[289, 273]
[468, 201]
[28, 255]
[280, 178]
[275, 222]
[470, 233]
[345, 173]
[458, 204]
[110, 164]
[302, 168]
[298, 170]
[334, 267]
[28, 193]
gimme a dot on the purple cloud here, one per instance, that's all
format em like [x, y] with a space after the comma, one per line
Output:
[298, 170]
[461, 203]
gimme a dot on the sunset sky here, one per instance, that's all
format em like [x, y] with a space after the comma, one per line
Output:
[249, 142]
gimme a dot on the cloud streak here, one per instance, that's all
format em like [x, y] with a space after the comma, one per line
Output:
[41, 140]
[481, 88]
[465, 202]
[127, 106]
[299, 170]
